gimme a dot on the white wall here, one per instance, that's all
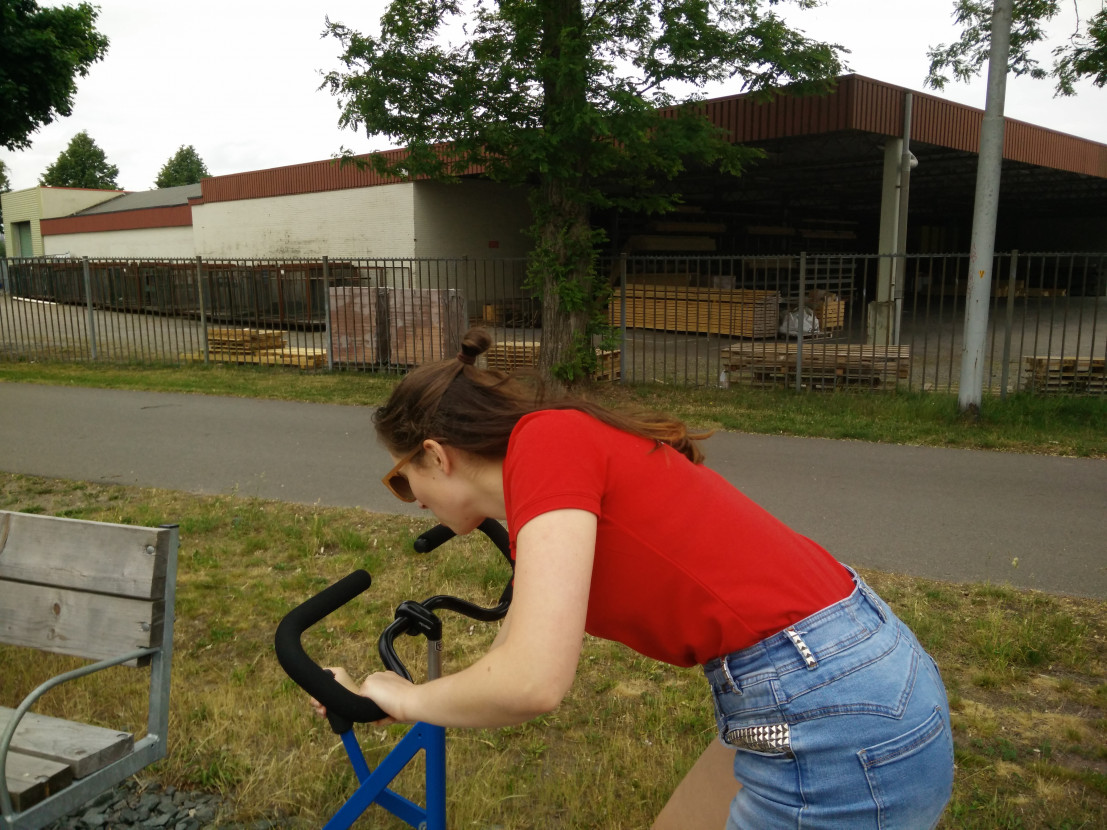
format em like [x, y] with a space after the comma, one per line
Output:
[152, 243]
[474, 218]
[403, 221]
[478, 220]
[361, 222]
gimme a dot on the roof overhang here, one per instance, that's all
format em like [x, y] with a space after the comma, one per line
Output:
[825, 154]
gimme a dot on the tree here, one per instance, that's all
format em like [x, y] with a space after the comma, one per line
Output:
[1083, 56]
[185, 167]
[574, 100]
[81, 164]
[42, 53]
[5, 186]
[1003, 33]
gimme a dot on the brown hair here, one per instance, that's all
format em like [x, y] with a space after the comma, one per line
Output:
[474, 409]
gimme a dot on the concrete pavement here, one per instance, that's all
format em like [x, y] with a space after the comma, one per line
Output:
[963, 515]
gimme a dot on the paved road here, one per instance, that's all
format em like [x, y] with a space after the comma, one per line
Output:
[962, 515]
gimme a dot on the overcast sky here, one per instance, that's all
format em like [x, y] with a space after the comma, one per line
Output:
[239, 80]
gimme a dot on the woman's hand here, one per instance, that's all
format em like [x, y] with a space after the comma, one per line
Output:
[344, 679]
[389, 691]
[377, 687]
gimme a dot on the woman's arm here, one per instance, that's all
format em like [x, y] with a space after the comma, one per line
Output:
[533, 666]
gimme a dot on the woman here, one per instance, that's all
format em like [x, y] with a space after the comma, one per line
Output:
[830, 714]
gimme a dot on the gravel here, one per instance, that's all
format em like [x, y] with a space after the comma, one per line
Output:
[144, 804]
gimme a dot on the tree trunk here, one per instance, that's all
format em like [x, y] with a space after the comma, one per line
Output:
[563, 260]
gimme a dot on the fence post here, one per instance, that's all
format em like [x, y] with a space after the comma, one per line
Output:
[327, 313]
[203, 311]
[1005, 370]
[88, 301]
[802, 319]
[623, 317]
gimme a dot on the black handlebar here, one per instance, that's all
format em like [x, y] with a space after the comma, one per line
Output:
[434, 537]
[309, 675]
[343, 706]
[439, 534]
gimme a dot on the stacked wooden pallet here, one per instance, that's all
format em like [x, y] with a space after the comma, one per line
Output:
[608, 370]
[821, 365]
[266, 347]
[424, 324]
[512, 354]
[728, 312]
[517, 354]
[244, 340]
[831, 313]
[515, 312]
[1079, 375]
[407, 326]
[829, 309]
[356, 312]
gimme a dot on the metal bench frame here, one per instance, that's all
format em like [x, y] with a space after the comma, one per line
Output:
[150, 748]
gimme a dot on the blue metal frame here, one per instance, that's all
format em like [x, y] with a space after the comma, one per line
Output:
[373, 784]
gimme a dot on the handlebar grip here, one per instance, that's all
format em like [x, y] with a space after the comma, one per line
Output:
[498, 535]
[311, 677]
[343, 705]
[439, 534]
[430, 539]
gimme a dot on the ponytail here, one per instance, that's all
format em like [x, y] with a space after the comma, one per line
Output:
[473, 409]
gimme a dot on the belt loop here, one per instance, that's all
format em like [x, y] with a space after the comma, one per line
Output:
[802, 648]
[730, 678]
[873, 599]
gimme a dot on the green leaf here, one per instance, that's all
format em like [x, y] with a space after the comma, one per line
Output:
[567, 99]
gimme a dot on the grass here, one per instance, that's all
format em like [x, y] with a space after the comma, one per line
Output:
[1057, 425]
[1026, 672]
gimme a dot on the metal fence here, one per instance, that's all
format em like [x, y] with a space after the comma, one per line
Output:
[867, 322]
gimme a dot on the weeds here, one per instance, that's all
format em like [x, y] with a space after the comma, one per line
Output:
[1026, 672]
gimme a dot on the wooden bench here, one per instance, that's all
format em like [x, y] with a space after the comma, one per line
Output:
[102, 592]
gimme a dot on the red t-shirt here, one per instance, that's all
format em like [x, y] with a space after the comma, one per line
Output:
[686, 567]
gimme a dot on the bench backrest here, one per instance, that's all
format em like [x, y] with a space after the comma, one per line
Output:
[88, 589]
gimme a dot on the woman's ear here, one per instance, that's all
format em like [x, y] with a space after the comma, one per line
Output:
[438, 455]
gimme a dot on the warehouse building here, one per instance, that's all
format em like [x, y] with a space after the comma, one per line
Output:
[831, 180]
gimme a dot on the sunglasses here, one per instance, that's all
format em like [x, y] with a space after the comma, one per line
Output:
[396, 482]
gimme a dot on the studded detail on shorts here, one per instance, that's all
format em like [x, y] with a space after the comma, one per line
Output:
[802, 648]
[774, 738]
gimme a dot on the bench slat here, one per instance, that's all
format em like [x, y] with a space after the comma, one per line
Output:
[70, 622]
[79, 746]
[31, 779]
[114, 559]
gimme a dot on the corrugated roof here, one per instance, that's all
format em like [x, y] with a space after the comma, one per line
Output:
[143, 199]
[866, 105]
[857, 105]
[310, 177]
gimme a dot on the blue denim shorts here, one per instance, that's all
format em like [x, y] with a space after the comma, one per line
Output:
[839, 721]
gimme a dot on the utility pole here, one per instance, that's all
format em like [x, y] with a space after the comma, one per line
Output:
[986, 206]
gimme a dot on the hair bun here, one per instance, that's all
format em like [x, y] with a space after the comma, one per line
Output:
[475, 343]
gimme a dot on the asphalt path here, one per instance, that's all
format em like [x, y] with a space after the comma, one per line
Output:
[963, 515]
